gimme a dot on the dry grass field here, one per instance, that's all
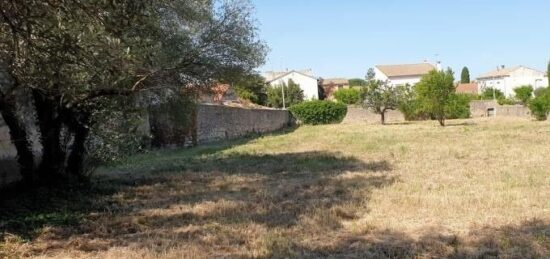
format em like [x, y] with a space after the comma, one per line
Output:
[475, 189]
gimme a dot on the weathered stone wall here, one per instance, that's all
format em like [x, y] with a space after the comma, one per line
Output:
[215, 123]
[358, 114]
[492, 108]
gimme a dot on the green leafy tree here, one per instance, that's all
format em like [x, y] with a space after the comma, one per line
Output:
[465, 76]
[357, 82]
[458, 106]
[67, 57]
[252, 88]
[380, 97]
[293, 94]
[491, 93]
[348, 96]
[434, 92]
[524, 94]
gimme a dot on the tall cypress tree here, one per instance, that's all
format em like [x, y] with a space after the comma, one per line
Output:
[465, 76]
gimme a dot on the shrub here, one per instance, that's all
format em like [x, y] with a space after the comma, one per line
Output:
[252, 88]
[506, 101]
[524, 94]
[348, 96]
[319, 112]
[458, 107]
[540, 91]
[490, 93]
[540, 106]
[412, 110]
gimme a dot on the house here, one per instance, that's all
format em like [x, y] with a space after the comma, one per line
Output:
[338, 83]
[469, 88]
[331, 85]
[506, 79]
[308, 83]
[403, 74]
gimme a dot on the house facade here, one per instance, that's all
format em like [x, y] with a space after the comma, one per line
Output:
[507, 79]
[308, 83]
[403, 74]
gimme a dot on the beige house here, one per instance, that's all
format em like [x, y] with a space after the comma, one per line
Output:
[403, 74]
[507, 79]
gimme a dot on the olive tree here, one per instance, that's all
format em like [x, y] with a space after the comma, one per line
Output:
[67, 57]
[380, 97]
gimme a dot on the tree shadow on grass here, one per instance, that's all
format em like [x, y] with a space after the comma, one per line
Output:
[150, 199]
[529, 239]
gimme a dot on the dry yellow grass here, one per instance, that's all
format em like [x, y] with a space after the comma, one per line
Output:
[478, 188]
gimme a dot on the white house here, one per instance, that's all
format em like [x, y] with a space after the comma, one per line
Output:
[306, 80]
[403, 74]
[506, 79]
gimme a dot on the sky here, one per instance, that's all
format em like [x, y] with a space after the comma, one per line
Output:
[343, 38]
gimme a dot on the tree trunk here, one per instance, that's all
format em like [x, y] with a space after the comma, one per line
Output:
[49, 122]
[441, 121]
[18, 134]
[18, 131]
[383, 117]
[75, 164]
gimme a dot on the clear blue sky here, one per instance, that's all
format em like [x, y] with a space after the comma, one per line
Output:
[343, 38]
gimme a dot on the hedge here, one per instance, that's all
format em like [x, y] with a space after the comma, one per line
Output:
[319, 112]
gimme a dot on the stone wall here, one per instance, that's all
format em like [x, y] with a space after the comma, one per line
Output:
[491, 108]
[215, 123]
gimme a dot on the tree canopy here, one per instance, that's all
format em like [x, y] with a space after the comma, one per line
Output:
[357, 82]
[434, 92]
[465, 76]
[379, 96]
[69, 55]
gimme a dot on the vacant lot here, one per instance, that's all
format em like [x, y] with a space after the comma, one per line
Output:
[478, 188]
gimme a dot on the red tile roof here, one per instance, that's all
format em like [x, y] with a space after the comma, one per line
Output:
[470, 88]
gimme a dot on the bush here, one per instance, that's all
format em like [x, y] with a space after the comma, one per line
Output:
[491, 93]
[319, 112]
[506, 101]
[540, 106]
[524, 94]
[458, 106]
[252, 88]
[540, 91]
[412, 110]
[348, 96]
